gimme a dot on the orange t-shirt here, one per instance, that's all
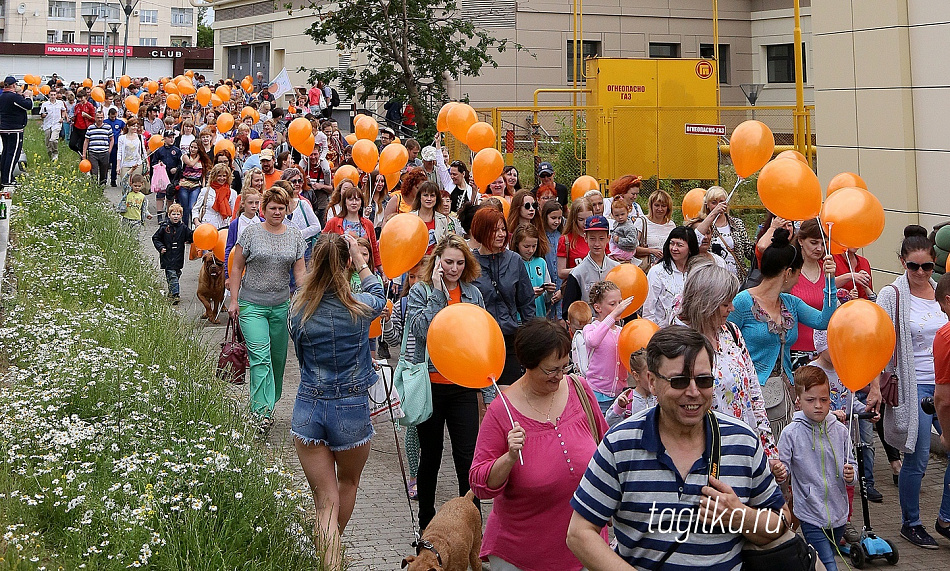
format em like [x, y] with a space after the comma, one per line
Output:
[455, 296]
[942, 355]
[270, 179]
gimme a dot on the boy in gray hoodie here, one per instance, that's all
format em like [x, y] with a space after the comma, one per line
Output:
[814, 449]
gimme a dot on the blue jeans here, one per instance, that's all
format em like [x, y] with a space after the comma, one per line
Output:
[171, 276]
[915, 464]
[820, 539]
[187, 198]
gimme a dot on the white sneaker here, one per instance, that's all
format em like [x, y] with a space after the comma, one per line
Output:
[56, 157]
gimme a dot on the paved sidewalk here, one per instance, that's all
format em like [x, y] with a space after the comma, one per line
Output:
[380, 531]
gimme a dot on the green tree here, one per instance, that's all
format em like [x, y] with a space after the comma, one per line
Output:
[408, 45]
[205, 33]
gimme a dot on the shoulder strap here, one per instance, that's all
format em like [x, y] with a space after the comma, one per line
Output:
[588, 409]
[897, 326]
[405, 324]
[715, 456]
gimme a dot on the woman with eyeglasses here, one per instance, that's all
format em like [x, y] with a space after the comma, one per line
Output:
[300, 213]
[524, 210]
[911, 303]
[446, 279]
[552, 432]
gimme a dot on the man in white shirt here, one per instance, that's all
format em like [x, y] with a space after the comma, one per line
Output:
[53, 112]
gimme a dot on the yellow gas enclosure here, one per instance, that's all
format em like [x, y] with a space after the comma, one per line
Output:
[656, 116]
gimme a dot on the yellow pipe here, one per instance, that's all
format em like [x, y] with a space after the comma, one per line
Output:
[799, 83]
[558, 90]
[716, 48]
[810, 151]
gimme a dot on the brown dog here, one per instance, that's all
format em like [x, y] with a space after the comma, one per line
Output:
[211, 286]
[452, 540]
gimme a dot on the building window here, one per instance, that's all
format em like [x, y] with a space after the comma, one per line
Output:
[97, 40]
[780, 60]
[664, 50]
[60, 10]
[50, 36]
[148, 41]
[68, 37]
[588, 49]
[180, 42]
[108, 12]
[148, 16]
[706, 51]
[182, 17]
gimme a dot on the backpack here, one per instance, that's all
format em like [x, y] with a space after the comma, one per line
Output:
[579, 353]
[334, 98]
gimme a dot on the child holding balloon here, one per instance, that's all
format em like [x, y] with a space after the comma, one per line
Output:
[602, 337]
[637, 395]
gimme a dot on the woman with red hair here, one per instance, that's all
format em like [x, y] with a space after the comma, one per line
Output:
[626, 188]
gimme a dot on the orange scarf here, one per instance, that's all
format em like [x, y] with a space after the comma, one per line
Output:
[222, 196]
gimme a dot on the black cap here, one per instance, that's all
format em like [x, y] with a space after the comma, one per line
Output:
[170, 133]
[10, 80]
[545, 168]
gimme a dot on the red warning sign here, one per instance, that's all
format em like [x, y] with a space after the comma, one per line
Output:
[704, 69]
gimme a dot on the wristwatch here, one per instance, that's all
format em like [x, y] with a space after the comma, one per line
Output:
[363, 267]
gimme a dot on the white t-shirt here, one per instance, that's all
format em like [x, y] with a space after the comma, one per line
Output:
[727, 243]
[54, 113]
[656, 233]
[925, 318]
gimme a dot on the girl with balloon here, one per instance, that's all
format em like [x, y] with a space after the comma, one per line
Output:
[729, 237]
[350, 219]
[215, 202]
[809, 287]
[447, 279]
[911, 304]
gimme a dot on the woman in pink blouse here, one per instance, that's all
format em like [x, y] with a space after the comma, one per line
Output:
[809, 288]
[552, 433]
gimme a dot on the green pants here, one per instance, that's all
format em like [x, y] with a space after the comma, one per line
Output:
[265, 333]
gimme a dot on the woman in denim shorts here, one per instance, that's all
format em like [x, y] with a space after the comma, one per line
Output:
[329, 325]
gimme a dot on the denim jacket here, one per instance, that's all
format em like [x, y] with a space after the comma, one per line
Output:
[424, 303]
[333, 349]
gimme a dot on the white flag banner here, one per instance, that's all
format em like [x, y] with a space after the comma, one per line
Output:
[281, 84]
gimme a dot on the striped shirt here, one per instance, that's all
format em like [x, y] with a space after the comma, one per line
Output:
[99, 138]
[631, 474]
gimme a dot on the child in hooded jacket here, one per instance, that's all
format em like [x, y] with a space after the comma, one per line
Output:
[814, 449]
[170, 240]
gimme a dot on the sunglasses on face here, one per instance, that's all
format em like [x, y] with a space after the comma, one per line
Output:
[530, 205]
[680, 382]
[297, 181]
[914, 266]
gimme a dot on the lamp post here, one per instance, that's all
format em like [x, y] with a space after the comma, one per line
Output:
[90, 19]
[114, 26]
[129, 6]
[751, 92]
[105, 40]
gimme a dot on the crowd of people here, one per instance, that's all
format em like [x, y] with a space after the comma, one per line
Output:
[741, 352]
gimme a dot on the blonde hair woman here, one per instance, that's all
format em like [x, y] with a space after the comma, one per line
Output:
[656, 226]
[729, 239]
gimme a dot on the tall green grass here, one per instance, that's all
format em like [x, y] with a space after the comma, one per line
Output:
[120, 448]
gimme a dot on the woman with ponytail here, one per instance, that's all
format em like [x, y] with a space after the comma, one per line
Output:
[329, 325]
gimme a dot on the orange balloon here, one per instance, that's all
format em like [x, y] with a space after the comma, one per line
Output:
[247, 85]
[505, 205]
[125, 81]
[835, 248]
[693, 203]
[486, 167]
[28, 79]
[297, 133]
[185, 87]
[224, 145]
[225, 122]
[98, 94]
[218, 249]
[44, 89]
[460, 119]
[346, 171]
[306, 149]
[632, 283]
[442, 121]
[480, 136]
[393, 158]
[155, 142]
[367, 128]
[256, 145]
[792, 154]
[87, 83]
[173, 100]
[633, 337]
[291, 109]
[170, 88]
[402, 244]
[751, 147]
[205, 236]
[132, 103]
[376, 327]
[351, 138]
[861, 341]
[204, 96]
[85, 166]
[846, 179]
[582, 184]
[179, 78]
[391, 180]
[365, 154]
[190, 74]
[230, 260]
[357, 118]
[856, 217]
[152, 87]
[215, 100]
[223, 91]
[248, 110]
[790, 189]
[456, 357]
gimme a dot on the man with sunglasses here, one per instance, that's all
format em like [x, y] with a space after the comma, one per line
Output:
[657, 476]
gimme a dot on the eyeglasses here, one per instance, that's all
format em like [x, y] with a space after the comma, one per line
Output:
[914, 266]
[556, 371]
[530, 205]
[680, 382]
[296, 181]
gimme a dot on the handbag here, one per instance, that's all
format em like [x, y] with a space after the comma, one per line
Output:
[778, 396]
[789, 552]
[383, 396]
[588, 409]
[233, 360]
[412, 383]
[889, 383]
[646, 262]
[160, 180]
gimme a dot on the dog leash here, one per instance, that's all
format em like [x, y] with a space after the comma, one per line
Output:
[418, 543]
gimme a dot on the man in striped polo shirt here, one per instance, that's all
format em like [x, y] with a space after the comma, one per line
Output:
[655, 474]
[97, 148]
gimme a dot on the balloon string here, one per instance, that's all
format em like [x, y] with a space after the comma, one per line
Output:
[825, 241]
[738, 182]
[850, 269]
[850, 427]
[511, 418]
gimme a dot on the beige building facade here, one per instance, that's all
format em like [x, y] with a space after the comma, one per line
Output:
[755, 38]
[881, 108]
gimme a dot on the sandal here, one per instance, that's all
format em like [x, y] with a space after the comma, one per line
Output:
[413, 491]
